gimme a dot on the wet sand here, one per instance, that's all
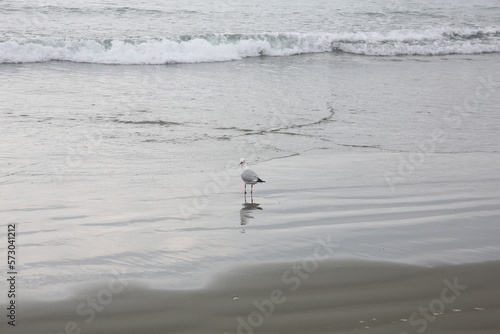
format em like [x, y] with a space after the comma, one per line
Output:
[317, 257]
[309, 296]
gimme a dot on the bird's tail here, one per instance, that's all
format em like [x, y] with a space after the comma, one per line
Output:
[259, 180]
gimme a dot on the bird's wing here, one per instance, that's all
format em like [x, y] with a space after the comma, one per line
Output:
[249, 175]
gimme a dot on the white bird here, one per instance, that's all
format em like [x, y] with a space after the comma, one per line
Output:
[248, 176]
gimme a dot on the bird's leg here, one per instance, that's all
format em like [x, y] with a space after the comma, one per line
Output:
[245, 188]
[251, 189]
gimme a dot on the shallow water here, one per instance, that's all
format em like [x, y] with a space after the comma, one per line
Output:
[98, 179]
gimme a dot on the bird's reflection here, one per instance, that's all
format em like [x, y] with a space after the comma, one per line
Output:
[247, 210]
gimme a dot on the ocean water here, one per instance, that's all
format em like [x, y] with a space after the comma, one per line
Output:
[169, 32]
[374, 123]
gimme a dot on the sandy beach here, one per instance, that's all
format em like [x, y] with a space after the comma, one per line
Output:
[311, 296]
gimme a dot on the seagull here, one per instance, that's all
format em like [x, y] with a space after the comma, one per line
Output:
[248, 176]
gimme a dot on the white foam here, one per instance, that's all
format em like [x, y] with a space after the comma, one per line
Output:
[225, 47]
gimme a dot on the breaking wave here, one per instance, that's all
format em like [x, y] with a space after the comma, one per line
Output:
[226, 47]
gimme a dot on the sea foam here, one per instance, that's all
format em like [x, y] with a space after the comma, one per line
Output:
[226, 47]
